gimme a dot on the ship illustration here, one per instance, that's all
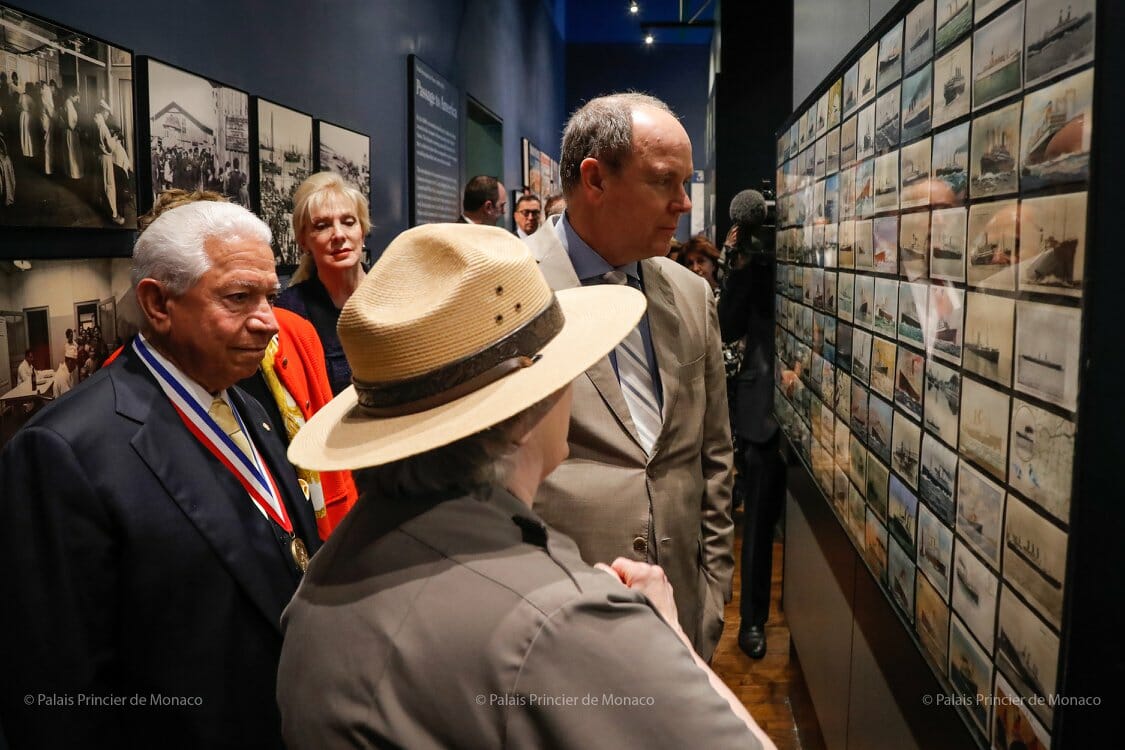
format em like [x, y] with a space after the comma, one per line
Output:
[952, 10]
[888, 129]
[930, 552]
[1055, 259]
[1065, 26]
[866, 86]
[970, 518]
[1021, 661]
[946, 251]
[912, 174]
[991, 253]
[983, 350]
[955, 86]
[1029, 552]
[882, 314]
[969, 586]
[919, 111]
[1042, 361]
[292, 155]
[912, 251]
[997, 159]
[922, 29]
[867, 144]
[865, 192]
[890, 60]
[911, 320]
[886, 185]
[900, 594]
[964, 676]
[945, 332]
[850, 101]
[907, 457]
[999, 64]
[906, 391]
[978, 431]
[877, 435]
[940, 477]
[1058, 133]
[1025, 438]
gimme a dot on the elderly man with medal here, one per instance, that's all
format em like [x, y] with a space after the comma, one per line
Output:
[154, 530]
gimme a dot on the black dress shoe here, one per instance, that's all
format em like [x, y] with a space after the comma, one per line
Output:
[752, 641]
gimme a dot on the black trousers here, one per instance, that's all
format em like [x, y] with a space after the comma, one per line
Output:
[765, 492]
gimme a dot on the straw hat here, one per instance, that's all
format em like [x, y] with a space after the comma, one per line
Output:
[453, 331]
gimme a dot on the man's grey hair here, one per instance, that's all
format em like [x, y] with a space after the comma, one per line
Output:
[602, 128]
[172, 249]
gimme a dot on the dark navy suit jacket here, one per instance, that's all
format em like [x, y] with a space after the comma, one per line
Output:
[137, 568]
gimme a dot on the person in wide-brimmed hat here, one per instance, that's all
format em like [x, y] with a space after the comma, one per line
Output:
[443, 612]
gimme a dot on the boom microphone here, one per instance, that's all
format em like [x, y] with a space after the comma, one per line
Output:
[748, 210]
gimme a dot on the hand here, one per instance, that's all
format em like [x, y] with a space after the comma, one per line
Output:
[732, 237]
[648, 580]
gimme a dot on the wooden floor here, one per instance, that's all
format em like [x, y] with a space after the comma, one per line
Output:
[767, 686]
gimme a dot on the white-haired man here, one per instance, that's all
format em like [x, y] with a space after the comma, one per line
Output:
[153, 528]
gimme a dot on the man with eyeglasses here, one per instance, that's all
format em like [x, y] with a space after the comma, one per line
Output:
[484, 202]
[528, 215]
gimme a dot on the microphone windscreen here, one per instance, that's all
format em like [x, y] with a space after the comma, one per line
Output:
[748, 207]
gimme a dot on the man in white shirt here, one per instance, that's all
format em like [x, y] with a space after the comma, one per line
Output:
[61, 383]
[26, 369]
[484, 202]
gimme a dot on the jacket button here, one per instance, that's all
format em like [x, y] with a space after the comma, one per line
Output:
[285, 361]
[640, 546]
[308, 405]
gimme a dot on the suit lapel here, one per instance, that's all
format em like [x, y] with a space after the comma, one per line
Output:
[664, 325]
[196, 482]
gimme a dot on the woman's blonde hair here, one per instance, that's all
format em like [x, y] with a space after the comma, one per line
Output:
[309, 197]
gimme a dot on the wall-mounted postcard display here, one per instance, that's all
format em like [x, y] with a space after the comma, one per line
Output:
[283, 159]
[941, 420]
[540, 171]
[67, 134]
[197, 133]
[346, 153]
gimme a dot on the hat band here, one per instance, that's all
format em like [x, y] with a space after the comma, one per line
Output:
[450, 382]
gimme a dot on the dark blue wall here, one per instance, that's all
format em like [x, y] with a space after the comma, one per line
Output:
[343, 61]
[676, 74]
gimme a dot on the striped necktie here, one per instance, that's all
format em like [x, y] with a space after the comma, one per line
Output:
[636, 379]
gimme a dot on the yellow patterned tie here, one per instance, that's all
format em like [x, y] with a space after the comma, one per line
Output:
[221, 412]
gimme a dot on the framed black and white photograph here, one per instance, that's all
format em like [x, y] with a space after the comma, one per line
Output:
[284, 161]
[984, 427]
[1057, 126]
[1035, 559]
[909, 371]
[845, 291]
[67, 130]
[847, 198]
[890, 56]
[1060, 36]
[880, 420]
[1041, 461]
[864, 197]
[953, 20]
[886, 304]
[832, 151]
[900, 578]
[878, 477]
[857, 455]
[938, 477]
[857, 419]
[1027, 651]
[198, 134]
[931, 623]
[914, 245]
[975, 591]
[980, 512]
[61, 320]
[888, 120]
[943, 401]
[848, 142]
[875, 546]
[946, 319]
[864, 298]
[902, 512]
[998, 57]
[851, 90]
[917, 101]
[953, 83]
[989, 327]
[970, 668]
[868, 69]
[915, 177]
[885, 235]
[346, 153]
[992, 244]
[907, 442]
[1047, 342]
[935, 549]
[993, 169]
[865, 133]
[947, 244]
[919, 41]
[950, 184]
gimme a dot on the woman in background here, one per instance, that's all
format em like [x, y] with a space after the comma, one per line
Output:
[330, 220]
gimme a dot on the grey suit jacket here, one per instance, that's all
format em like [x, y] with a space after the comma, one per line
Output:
[615, 501]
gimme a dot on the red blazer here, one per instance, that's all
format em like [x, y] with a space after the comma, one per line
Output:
[300, 368]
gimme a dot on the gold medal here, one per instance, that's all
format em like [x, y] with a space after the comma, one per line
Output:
[300, 553]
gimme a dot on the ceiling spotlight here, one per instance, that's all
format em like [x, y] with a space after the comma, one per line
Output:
[649, 38]
[634, 8]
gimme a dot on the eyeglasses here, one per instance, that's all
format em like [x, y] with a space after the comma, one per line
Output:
[528, 212]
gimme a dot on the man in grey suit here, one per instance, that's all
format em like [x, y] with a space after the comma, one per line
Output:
[649, 474]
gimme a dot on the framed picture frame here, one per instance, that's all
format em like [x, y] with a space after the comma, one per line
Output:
[281, 160]
[344, 152]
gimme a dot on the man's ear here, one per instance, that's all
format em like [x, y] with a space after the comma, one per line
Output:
[154, 301]
[592, 178]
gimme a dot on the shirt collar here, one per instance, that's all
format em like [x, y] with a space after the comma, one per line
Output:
[467, 219]
[202, 396]
[588, 264]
